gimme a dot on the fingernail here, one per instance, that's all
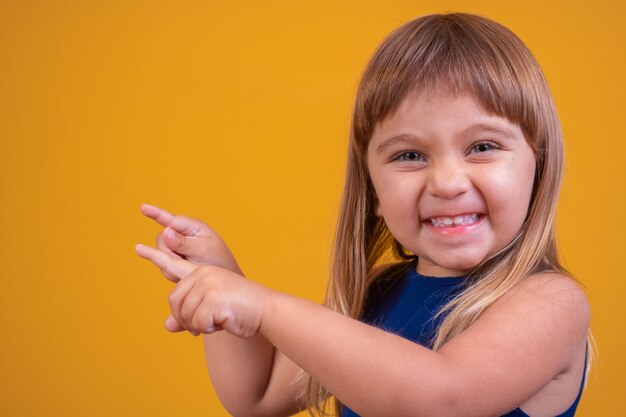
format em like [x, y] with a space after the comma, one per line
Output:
[169, 233]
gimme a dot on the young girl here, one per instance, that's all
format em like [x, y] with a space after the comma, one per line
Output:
[447, 297]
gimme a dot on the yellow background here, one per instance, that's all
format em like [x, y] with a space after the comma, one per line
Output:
[236, 113]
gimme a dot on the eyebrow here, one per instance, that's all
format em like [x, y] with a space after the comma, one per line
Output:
[497, 130]
[395, 140]
[473, 129]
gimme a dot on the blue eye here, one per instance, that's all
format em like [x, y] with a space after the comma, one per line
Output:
[409, 156]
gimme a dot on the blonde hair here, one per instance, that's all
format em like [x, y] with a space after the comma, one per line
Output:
[469, 54]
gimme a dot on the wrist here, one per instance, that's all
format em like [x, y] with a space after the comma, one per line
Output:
[271, 306]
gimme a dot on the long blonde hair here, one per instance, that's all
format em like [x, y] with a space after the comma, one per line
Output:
[469, 54]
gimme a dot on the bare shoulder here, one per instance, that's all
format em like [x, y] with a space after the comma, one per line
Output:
[554, 309]
[557, 319]
[556, 292]
[529, 337]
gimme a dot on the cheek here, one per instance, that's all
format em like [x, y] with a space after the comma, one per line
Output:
[526, 180]
[398, 203]
[379, 197]
[510, 193]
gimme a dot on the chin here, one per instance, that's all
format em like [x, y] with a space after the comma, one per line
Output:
[461, 266]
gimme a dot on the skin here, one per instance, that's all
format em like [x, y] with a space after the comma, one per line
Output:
[260, 384]
[444, 156]
[488, 369]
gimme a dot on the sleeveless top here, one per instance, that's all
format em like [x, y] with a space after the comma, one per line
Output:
[407, 306]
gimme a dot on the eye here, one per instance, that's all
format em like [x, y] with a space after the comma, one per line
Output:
[483, 147]
[409, 156]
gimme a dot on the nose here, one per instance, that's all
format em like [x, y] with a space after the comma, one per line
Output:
[447, 180]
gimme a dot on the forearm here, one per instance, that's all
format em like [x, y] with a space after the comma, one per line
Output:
[364, 367]
[251, 377]
[247, 372]
[239, 368]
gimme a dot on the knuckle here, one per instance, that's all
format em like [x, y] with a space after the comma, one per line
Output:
[208, 271]
[213, 294]
[172, 298]
[170, 267]
[196, 230]
[203, 270]
[169, 276]
[198, 322]
[210, 290]
[167, 270]
[186, 314]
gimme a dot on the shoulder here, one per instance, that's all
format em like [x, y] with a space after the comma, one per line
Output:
[554, 292]
[530, 336]
[554, 311]
[545, 316]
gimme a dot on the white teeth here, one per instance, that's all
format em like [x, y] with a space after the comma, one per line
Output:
[456, 220]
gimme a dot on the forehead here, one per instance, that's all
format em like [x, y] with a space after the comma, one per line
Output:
[435, 113]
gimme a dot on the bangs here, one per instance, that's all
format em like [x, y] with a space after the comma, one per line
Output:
[462, 53]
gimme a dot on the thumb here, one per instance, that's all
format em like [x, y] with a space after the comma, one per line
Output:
[191, 247]
[172, 325]
[174, 240]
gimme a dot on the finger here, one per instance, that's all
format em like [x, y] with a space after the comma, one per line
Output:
[161, 216]
[182, 224]
[190, 247]
[172, 325]
[162, 246]
[177, 268]
[189, 226]
[202, 320]
[189, 306]
[176, 299]
[169, 277]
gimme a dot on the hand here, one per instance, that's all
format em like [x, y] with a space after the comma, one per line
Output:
[209, 298]
[190, 239]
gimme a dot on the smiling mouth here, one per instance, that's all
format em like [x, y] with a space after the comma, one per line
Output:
[454, 221]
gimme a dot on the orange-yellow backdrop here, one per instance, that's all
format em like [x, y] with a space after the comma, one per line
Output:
[237, 113]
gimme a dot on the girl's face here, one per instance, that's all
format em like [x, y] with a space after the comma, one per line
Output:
[453, 183]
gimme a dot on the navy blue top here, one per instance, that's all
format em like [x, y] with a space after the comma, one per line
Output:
[407, 306]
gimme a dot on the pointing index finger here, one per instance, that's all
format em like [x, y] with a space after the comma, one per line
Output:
[184, 225]
[161, 216]
[177, 268]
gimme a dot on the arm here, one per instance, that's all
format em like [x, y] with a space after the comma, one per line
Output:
[520, 343]
[249, 375]
[532, 333]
